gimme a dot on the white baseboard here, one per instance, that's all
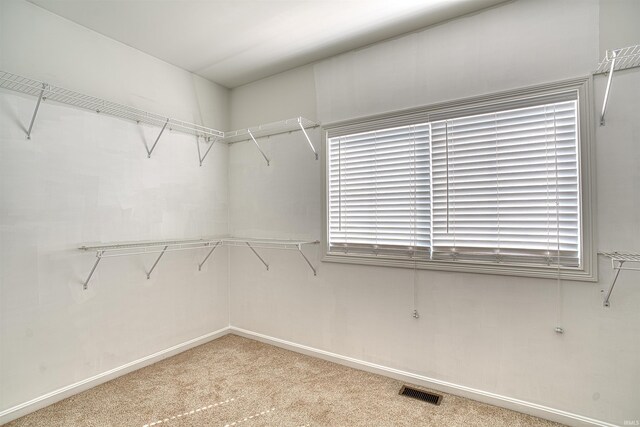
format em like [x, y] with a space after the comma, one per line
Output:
[64, 392]
[534, 409]
[435, 384]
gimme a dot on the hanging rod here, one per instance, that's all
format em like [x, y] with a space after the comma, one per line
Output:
[296, 124]
[618, 261]
[45, 91]
[161, 247]
[615, 60]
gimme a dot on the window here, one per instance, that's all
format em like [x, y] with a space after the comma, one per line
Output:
[379, 191]
[495, 184]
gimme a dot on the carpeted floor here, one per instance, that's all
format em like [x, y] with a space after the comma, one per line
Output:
[234, 381]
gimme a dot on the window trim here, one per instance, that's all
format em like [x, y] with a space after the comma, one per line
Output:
[586, 164]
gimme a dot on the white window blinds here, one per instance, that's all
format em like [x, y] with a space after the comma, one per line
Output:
[494, 186]
[505, 186]
[379, 191]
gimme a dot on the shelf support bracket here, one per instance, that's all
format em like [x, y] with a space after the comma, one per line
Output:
[156, 263]
[35, 112]
[257, 145]
[157, 139]
[207, 257]
[315, 273]
[613, 283]
[307, 136]
[258, 255]
[614, 54]
[212, 142]
[85, 285]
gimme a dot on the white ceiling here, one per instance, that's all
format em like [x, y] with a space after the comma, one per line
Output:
[233, 42]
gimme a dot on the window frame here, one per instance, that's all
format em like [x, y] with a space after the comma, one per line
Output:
[582, 87]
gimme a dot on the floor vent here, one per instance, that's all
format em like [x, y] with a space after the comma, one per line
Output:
[425, 396]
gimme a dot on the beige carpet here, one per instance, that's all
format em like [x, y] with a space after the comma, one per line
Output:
[234, 381]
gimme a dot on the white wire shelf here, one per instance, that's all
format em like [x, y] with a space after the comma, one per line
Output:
[614, 60]
[627, 57]
[271, 129]
[619, 262]
[65, 96]
[135, 248]
[267, 243]
[162, 246]
[45, 91]
[622, 256]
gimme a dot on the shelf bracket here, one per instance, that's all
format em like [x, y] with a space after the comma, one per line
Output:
[157, 139]
[156, 263]
[85, 285]
[212, 142]
[207, 257]
[258, 255]
[35, 112]
[257, 145]
[315, 273]
[614, 54]
[307, 136]
[613, 283]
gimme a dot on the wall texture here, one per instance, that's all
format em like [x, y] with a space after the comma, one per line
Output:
[85, 178]
[494, 334]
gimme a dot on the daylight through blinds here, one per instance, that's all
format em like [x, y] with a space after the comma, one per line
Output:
[491, 187]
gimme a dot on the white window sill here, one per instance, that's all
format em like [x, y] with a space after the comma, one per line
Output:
[543, 272]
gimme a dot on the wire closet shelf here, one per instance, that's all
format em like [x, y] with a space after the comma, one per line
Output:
[45, 91]
[615, 60]
[271, 129]
[619, 262]
[626, 57]
[162, 246]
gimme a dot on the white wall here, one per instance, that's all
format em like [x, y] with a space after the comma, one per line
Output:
[85, 178]
[491, 333]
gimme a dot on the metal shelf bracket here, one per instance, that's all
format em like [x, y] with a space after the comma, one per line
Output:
[211, 143]
[614, 54]
[208, 255]
[613, 283]
[85, 285]
[618, 260]
[307, 137]
[35, 111]
[156, 263]
[315, 273]
[258, 145]
[157, 139]
[615, 60]
[258, 255]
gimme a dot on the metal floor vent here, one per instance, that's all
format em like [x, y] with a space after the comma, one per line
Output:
[425, 396]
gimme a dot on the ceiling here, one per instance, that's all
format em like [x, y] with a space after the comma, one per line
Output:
[234, 42]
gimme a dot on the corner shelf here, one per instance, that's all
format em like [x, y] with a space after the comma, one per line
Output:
[270, 129]
[615, 60]
[618, 260]
[44, 91]
[162, 246]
